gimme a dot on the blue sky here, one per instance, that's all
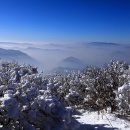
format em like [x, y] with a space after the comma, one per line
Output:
[65, 21]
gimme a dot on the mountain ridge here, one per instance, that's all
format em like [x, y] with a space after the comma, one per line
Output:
[10, 54]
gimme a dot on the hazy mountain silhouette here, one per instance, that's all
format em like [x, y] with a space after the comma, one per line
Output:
[70, 63]
[17, 56]
[103, 44]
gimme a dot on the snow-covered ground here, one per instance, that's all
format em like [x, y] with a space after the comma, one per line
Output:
[91, 121]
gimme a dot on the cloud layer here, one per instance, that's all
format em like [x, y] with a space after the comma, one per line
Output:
[94, 53]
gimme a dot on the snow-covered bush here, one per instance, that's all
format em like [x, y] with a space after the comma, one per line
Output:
[27, 101]
[102, 84]
[70, 90]
[123, 99]
[95, 87]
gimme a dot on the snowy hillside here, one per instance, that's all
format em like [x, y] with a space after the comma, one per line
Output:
[31, 101]
[104, 121]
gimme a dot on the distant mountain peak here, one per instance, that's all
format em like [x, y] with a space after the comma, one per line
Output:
[71, 62]
[71, 59]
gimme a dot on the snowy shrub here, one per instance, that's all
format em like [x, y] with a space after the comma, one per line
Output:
[102, 85]
[124, 99]
[70, 91]
[27, 101]
[95, 87]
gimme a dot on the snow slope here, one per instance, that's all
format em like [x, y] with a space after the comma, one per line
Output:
[91, 121]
